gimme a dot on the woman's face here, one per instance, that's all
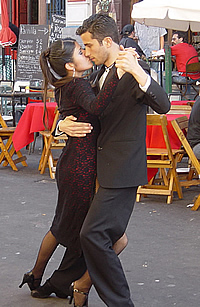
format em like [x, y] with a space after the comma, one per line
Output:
[81, 62]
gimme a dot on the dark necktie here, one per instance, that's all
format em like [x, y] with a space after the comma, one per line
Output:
[104, 75]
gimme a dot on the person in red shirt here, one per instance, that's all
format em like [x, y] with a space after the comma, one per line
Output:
[183, 52]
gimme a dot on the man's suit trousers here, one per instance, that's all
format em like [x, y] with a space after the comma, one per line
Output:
[105, 223]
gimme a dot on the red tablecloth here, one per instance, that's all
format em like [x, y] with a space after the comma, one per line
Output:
[179, 102]
[154, 138]
[32, 121]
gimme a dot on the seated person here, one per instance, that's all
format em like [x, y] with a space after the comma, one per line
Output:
[182, 52]
[128, 40]
[193, 134]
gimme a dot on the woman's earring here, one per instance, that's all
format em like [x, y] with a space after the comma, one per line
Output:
[74, 71]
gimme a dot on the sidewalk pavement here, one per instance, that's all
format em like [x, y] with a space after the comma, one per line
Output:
[161, 261]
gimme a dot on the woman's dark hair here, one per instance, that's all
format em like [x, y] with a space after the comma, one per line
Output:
[52, 62]
[100, 26]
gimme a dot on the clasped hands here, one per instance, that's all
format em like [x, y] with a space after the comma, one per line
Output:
[127, 61]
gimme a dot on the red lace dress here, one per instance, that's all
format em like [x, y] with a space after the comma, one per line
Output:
[76, 167]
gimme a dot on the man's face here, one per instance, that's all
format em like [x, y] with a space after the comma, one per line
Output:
[176, 40]
[96, 52]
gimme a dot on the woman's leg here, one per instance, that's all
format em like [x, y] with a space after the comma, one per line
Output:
[120, 245]
[47, 247]
[84, 284]
[34, 277]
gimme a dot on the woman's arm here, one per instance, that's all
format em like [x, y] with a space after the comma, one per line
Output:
[85, 97]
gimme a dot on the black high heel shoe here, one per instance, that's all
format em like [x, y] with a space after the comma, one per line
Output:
[72, 289]
[46, 290]
[32, 282]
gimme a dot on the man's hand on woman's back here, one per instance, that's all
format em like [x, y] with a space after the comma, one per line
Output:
[71, 127]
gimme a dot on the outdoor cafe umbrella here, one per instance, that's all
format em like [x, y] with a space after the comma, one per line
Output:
[7, 36]
[171, 14]
[179, 15]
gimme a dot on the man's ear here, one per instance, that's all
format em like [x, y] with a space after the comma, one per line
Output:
[69, 66]
[107, 41]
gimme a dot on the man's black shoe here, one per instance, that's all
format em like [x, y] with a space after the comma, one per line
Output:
[46, 290]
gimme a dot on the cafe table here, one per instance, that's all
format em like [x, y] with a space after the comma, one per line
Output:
[31, 121]
[154, 138]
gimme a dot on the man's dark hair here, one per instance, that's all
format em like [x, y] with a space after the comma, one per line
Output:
[181, 34]
[100, 26]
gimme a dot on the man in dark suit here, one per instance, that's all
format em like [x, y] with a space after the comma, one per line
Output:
[121, 157]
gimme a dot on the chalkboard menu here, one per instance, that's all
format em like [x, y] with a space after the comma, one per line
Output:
[33, 39]
[57, 25]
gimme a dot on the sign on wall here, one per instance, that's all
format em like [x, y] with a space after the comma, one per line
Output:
[57, 25]
[33, 39]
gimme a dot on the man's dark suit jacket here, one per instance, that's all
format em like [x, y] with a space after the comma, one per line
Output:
[121, 147]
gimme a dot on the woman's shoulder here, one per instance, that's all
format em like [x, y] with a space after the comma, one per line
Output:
[73, 89]
[82, 85]
[75, 84]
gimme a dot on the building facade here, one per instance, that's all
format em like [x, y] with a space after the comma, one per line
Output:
[40, 11]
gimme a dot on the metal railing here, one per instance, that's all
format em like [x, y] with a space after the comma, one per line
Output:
[55, 7]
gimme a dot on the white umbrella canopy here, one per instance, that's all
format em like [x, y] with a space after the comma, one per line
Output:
[170, 14]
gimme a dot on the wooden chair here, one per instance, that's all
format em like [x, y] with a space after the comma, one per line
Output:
[180, 109]
[191, 103]
[164, 159]
[50, 143]
[50, 97]
[7, 148]
[196, 203]
[180, 126]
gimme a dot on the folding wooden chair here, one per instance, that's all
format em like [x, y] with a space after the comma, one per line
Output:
[50, 97]
[180, 109]
[180, 126]
[164, 159]
[50, 143]
[196, 204]
[7, 148]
